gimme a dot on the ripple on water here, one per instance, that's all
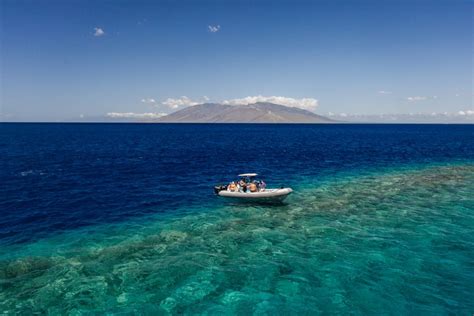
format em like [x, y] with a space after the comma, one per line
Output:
[399, 242]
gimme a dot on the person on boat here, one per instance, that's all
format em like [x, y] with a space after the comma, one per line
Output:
[232, 187]
[262, 185]
[243, 185]
[253, 187]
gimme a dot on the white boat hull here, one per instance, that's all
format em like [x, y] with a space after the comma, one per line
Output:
[267, 195]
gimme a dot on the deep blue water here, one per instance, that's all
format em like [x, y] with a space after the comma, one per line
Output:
[121, 218]
[61, 176]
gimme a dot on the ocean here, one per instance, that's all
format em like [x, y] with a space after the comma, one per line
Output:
[122, 218]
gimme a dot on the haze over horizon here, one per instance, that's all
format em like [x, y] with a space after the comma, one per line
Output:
[62, 61]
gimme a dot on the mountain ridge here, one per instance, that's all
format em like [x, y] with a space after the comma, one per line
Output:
[260, 112]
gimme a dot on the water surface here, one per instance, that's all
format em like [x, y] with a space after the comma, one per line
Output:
[121, 218]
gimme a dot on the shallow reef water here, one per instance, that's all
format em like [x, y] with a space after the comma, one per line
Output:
[387, 242]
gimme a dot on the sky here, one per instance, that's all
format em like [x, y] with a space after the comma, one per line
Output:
[63, 60]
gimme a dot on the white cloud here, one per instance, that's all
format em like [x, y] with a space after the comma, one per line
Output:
[422, 98]
[384, 92]
[135, 115]
[304, 103]
[466, 113]
[150, 101]
[214, 28]
[179, 102]
[417, 98]
[98, 31]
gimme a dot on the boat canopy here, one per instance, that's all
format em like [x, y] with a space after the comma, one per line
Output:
[248, 175]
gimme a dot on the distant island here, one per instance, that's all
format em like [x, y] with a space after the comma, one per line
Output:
[260, 112]
[266, 112]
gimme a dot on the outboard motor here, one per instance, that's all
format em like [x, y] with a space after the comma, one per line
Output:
[219, 188]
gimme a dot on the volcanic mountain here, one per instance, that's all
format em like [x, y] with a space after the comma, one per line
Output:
[260, 112]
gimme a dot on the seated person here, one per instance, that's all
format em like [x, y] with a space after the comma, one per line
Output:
[232, 187]
[243, 185]
[253, 187]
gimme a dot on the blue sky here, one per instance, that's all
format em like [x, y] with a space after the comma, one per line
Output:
[351, 56]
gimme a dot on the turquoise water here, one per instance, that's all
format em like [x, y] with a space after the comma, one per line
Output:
[391, 241]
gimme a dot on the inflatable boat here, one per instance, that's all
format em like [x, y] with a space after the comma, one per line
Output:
[251, 190]
[267, 195]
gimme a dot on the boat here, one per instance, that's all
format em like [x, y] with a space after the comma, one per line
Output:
[252, 190]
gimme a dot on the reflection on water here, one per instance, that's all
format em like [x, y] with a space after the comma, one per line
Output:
[396, 243]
